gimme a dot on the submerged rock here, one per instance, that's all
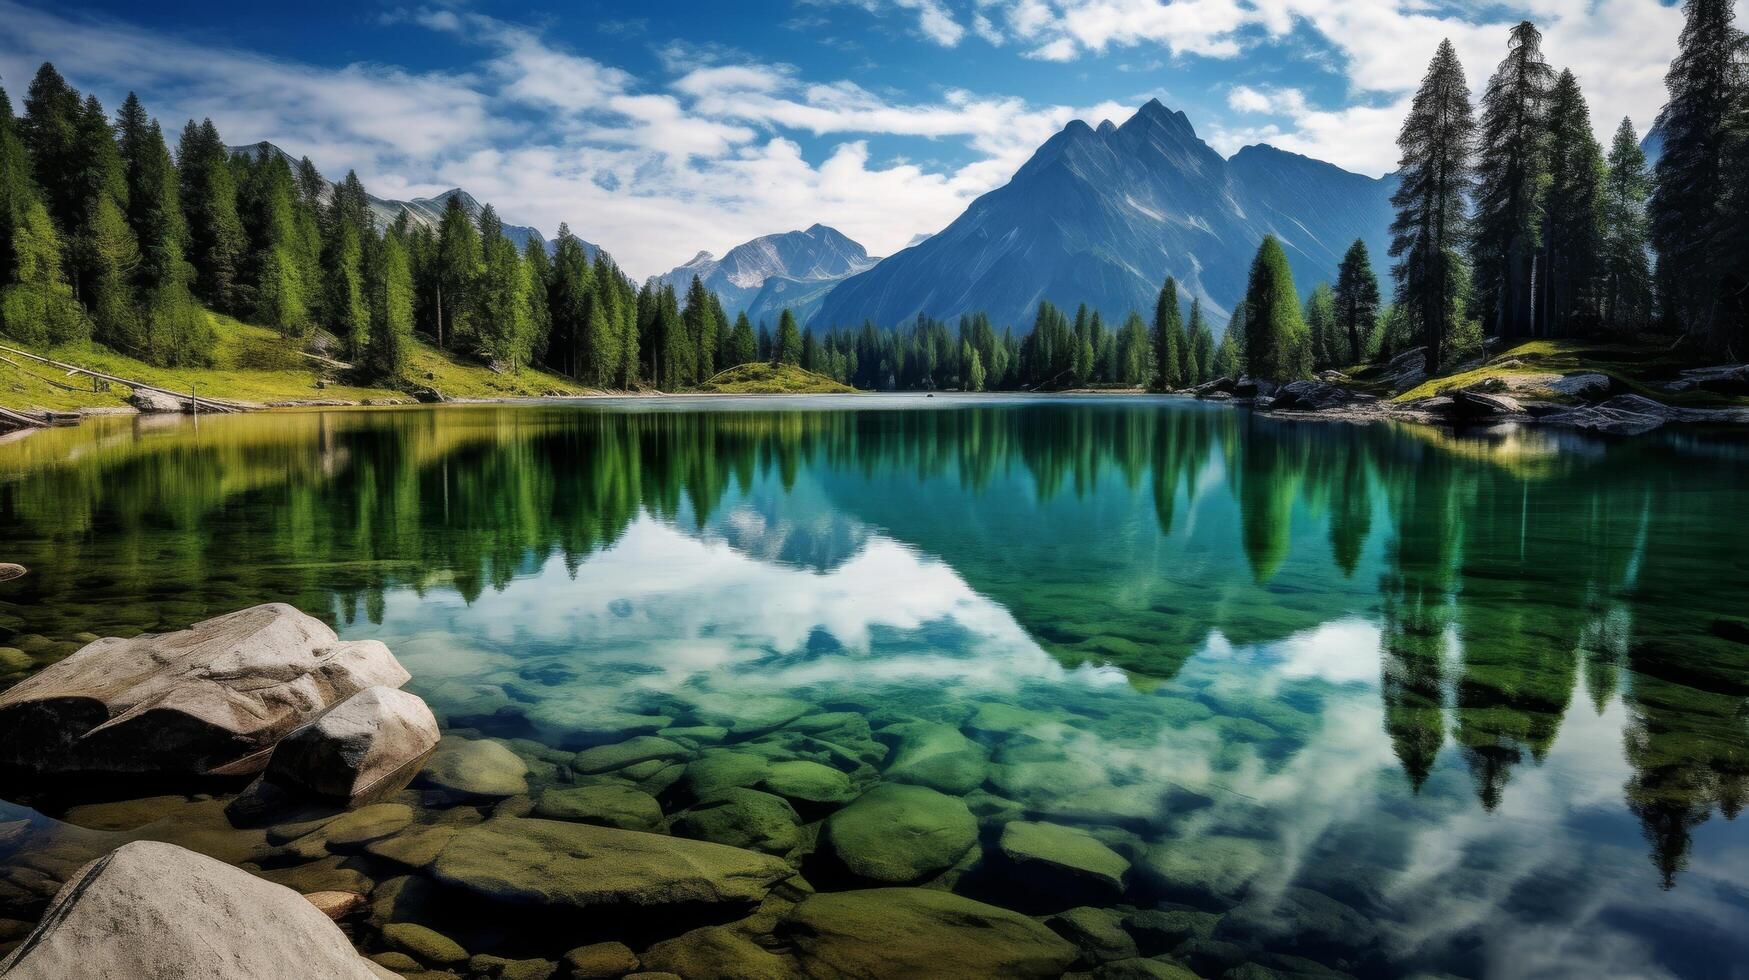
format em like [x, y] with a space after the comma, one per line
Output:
[606, 806]
[214, 698]
[642, 748]
[742, 818]
[718, 952]
[900, 834]
[935, 755]
[601, 961]
[475, 767]
[918, 932]
[157, 910]
[549, 863]
[1063, 859]
[1214, 870]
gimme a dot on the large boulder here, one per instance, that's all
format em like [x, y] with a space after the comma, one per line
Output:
[1065, 860]
[212, 699]
[150, 402]
[931, 754]
[368, 747]
[900, 834]
[919, 932]
[157, 910]
[1316, 396]
[549, 863]
[1470, 403]
[1626, 415]
[475, 768]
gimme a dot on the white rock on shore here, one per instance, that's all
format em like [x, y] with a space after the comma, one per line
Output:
[212, 699]
[156, 910]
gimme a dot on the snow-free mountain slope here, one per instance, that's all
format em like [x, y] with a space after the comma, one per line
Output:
[1102, 216]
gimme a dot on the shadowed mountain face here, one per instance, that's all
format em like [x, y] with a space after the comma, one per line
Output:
[426, 211]
[1103, 216]
[793, 270]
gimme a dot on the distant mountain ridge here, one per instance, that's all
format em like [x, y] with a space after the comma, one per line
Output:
[425, 211]
[1102, 216]
[762, 277]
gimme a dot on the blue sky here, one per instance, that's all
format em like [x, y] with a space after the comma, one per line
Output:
[659, 129]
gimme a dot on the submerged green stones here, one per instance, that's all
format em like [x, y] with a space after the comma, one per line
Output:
[900, 834]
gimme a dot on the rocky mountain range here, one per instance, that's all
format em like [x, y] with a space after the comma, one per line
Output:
[1102, 215]
[762, 277]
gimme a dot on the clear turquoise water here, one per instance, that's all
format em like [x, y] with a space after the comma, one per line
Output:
[1387, 699]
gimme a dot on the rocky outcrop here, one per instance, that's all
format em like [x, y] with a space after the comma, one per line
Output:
[1316, 396]
[1622, 415]
[151, 402]
[552, 864]
[368, 747]
[212, 699]
[917, 932]
[1724, 379]
[157, 910]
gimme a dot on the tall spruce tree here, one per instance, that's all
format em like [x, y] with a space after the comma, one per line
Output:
[457, 265]
[1688, 203]
[1511, 168]
[389, 288]
[789, 339]
[1168, 338]
[701, 331]
[346, 234]
[216, 241]
[1627, 274]
[51, 132]
[1357, 301]
[568, 300]
[275, 287]
[1202, 345]
[743, 347]
[1435, 180]
[1277, 344]
[1326, 343]
[503, 327]
[539, 268]
[36, 303]
[1572, 214]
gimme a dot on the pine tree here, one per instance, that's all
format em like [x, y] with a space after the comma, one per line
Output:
[701, 331]
[743, 347]
[1327, 347]
[1688, 215]
[36, 303]
[1435, 180]
[1277, 345]
[568, 300]
[789, 339]
[457, 266]
[677, 351]
[216, 241]
[502, 325]
[1357, 301]
[346, 234]
[1202, 346]
[538, 266]
[389, 284]
[274, 282]
[1572, 214]
[50, 130]
[1511, 168]
[1627, 275]
[1168, 338]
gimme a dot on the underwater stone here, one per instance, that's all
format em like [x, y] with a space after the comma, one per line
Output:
[1056, 857]
[718, 951]
[550, 863]
[935, 755]
[918, 932]
[475, 767]
[806, 782]
[362, 750]
[642, 748]
[900, 834]
[606, 806]
[1098, 933]
[601, 961]
[1214, 870]
[424, 944]
[742, 818]
[720, 769]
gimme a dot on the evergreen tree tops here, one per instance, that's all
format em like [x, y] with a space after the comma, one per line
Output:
[1277, 342]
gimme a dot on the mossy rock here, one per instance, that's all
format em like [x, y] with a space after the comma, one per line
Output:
[601, 961]
[632, 751]
[364, 825]
[804, 782]
[1161, 930]
[718, 951]
[919, 932]
[900, 834]
[475, 768]
[935, 755]
[1063, 860]
[606, 806]
[423, 944]
[1098, 933]
[746, 714]
[742, 818]
[716, 770]
[1214, 871]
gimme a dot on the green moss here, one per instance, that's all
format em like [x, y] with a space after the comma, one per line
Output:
[1639, 368]
[772, 379]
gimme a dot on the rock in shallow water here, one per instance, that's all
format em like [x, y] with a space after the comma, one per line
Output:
[900, 834]
[475, 767]
[157, 910]
[742, 818]
[546, 862]
[918, 932]
[366, 748]
[215, 697]
[1063, 859]
[605, 806]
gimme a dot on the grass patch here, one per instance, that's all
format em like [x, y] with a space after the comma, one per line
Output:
[1640, 368]
[252, 364]
[759, 378]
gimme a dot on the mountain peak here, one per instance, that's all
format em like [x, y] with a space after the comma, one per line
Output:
[1107, 127]
[1154, 113]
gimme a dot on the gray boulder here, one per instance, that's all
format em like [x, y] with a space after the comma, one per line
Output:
[1587, 386]
[157, 910]
[212, 699]
[1316, 396]
[547, 863]
[368, 747]
[1477, 405]
[1725, 379]
[1622, 415]
[150, 402]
